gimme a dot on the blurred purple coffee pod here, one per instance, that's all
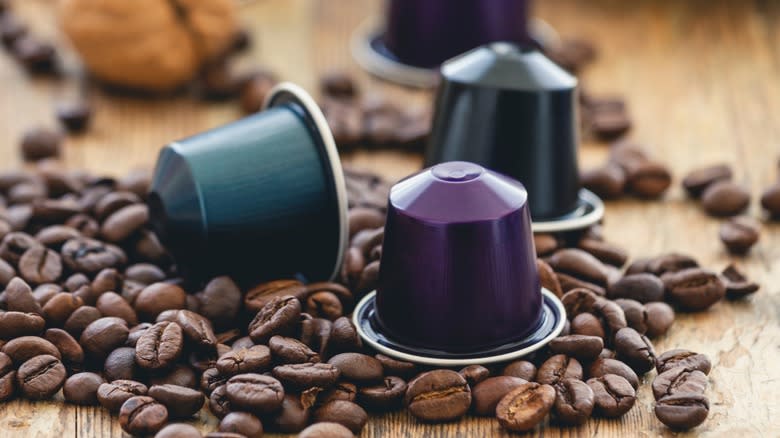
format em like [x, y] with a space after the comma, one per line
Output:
[417, 36]
[514, 111]
[258, 199]
[458, 283]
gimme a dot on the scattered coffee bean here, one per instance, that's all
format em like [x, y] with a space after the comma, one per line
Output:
[7, 378]
[697, 181]
[70, 350]
[24, 348]
[255, 359]
[525, 406]
[14, 324]
[641, 287]
[340, 391]
[739, 234]
[242, 423]
[439, 395]
[683, 358]
[682, 411]
[648, 179]
[142, 415]
[660, 317]
[580, 346]
[579, 264]
[326, 430]
[160, 346]
[558, 367]
[278, 317]
[157, 298]
[384, 396]
[613, 395]
[679, 380]
[180, 401]
[113, 395]
[606, 252]
[120, 364]
[671, 262]
[636, 314]
[39, 143]
[357, 367]
[395, 367]
[473, 374]
[694, 289]
[290, 350]
[737, 284]
[81, 389]
[725, 198]
[40, 377]
[255, 393]
[770, 200]
[605, 365]
[634, 349]
[74, 115]
[548, 279]
[348, 414]
[178, 430]
[486, 395]
[574, 401]
[607, 181]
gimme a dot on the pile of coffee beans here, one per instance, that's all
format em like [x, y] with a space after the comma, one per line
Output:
[629, 170]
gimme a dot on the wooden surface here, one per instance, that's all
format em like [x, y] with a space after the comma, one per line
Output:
[703, 83]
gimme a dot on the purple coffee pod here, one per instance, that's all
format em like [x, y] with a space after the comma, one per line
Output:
[458, 282]
[417, 36]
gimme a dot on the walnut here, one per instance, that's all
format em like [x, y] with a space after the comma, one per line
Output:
[154, 45]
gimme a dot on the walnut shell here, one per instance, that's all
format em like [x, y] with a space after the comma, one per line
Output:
[154, 45]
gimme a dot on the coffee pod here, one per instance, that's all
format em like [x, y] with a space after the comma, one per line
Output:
[260, 198]
[458, 283]
[417, 36]
[513, 110]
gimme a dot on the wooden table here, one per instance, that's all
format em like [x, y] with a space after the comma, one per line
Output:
[703, 82]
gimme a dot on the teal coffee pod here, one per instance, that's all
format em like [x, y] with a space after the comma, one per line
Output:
[260, 198]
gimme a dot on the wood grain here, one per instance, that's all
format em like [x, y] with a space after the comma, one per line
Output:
[702, 82]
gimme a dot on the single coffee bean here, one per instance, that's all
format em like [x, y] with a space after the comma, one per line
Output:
[211, 379]
[679, 380]
[255, 359]
[605, 252]
[157, 298]
[579, 264]
[683, 358]
[473, 374]
[39, 143]
[80, 319]
[725, 198]
[307, 375]
[326, 430]
[660, 317]
[103, 336]
[635, 312]
[60, 307]
[525, 406]
[44, 292]
[612, 316]
[439, 395]
[145, 273]
[770, 200]
[362, 218]
[292, 417]
[548, 279]
[120, 364]
[74, 115]
[113, 395]
[15, 324]
[385, 396]
[7, 378]
[739, 234]
[220, 300]
[14, 245]
[243, 423]
[358, 367]
[613, 395]
[487, 394]
[343, 336]
[113, 202]
[682, 411]
[558, 367]
[340, 391]
[580, 346]
[609, 123]
[569, 283]
[219, 403]
[19, 297]
[607, 181]
[694, 289]
[648, 179]
[640, 287]
[324, 304]
[635, 349]
[25, 348]
[290, 350]
[255, 393]
[587, 324]
[348, 414]
[279, 317]
[70, 350]
[181, 402]
[196, 329]
[41, 377]
[160, 346]
[85, 225]
[522, 369]
[180, 375]
[395, 367]
[697, 180]
[605, 365]
[262, 294]
[737, 284]
[545, 244]
[574, 401]
[112, 304]
[671, 262]
[142, 415]
[90, 256]
[124, 222]
[81, 389]
[179, 430]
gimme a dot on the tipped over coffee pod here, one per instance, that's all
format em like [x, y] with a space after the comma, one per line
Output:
[514, 111]
[260, 198]
[458, 283]
[417, 36]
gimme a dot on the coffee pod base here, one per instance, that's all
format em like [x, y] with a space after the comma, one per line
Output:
[369, 50]
[589, 211]
[551, 323]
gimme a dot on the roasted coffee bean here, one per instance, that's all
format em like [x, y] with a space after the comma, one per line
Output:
[219, 404]
[338, 83]
[54, 236]
[307, 375]
[157, 298]
[737, 284]
[605, 365]
[81, 389]
[262, 294]
[255, 393]
[679, 380]
[196, 329]
[7, 378]
[160, 346]
[124, 222]
[640, 287]
[697, 181]
[579, 264]
[660, 317]
[326, 430]
[25, 348]
[211, 379]
[279, 317]
[439, 395]
[179, 430]
[26, 194]
[80, 319]
[14, 324]
[40, 377]
[348, 414]
[103, 336]
[580, 346]
[569, 283]
[19, 297]
[739, 234]
[142, 415]
[90, 256]
[770, 200]
[290, 350]
[613, 395]
[611, 314]
[671, 262]
[635, 350]
[120, 364]
[578, 301]
[145, 273]
[76, 282]
[636, 315]
[255, 89]
[574, 401]
[362, 218]
[473, 374]
[605, 252]
[343, 336]
[358, 367]
[111, 304]
[223, 435]
[113, 395]
[182, 402]
[648, 179]
[385, 396]
[344, 295]
[74, 115]
[548, 279]
[324, 304]
[39, 143]
[487, 394]
[85, 225]
[368, 279]
[607, 181]
[520, 368]
[71, 352]
[243, 423]
[340, 391]
[114, 202]
[292, 417]
[525, 406]
[14, 245]
[18, 217]
[608, 124]
[682, 411]
[587, 324]
[7, 272]
[545, 244]
[558, 367]
[180, 375]
[43, 293]
[683, 358]
[395, 367]
[255, 359]
[694, 289]
[220, 300]
[725, 198]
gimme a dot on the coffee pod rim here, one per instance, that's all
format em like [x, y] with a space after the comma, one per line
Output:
[551, 305]
[590, 210]
[294, 93]
[370, 32]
